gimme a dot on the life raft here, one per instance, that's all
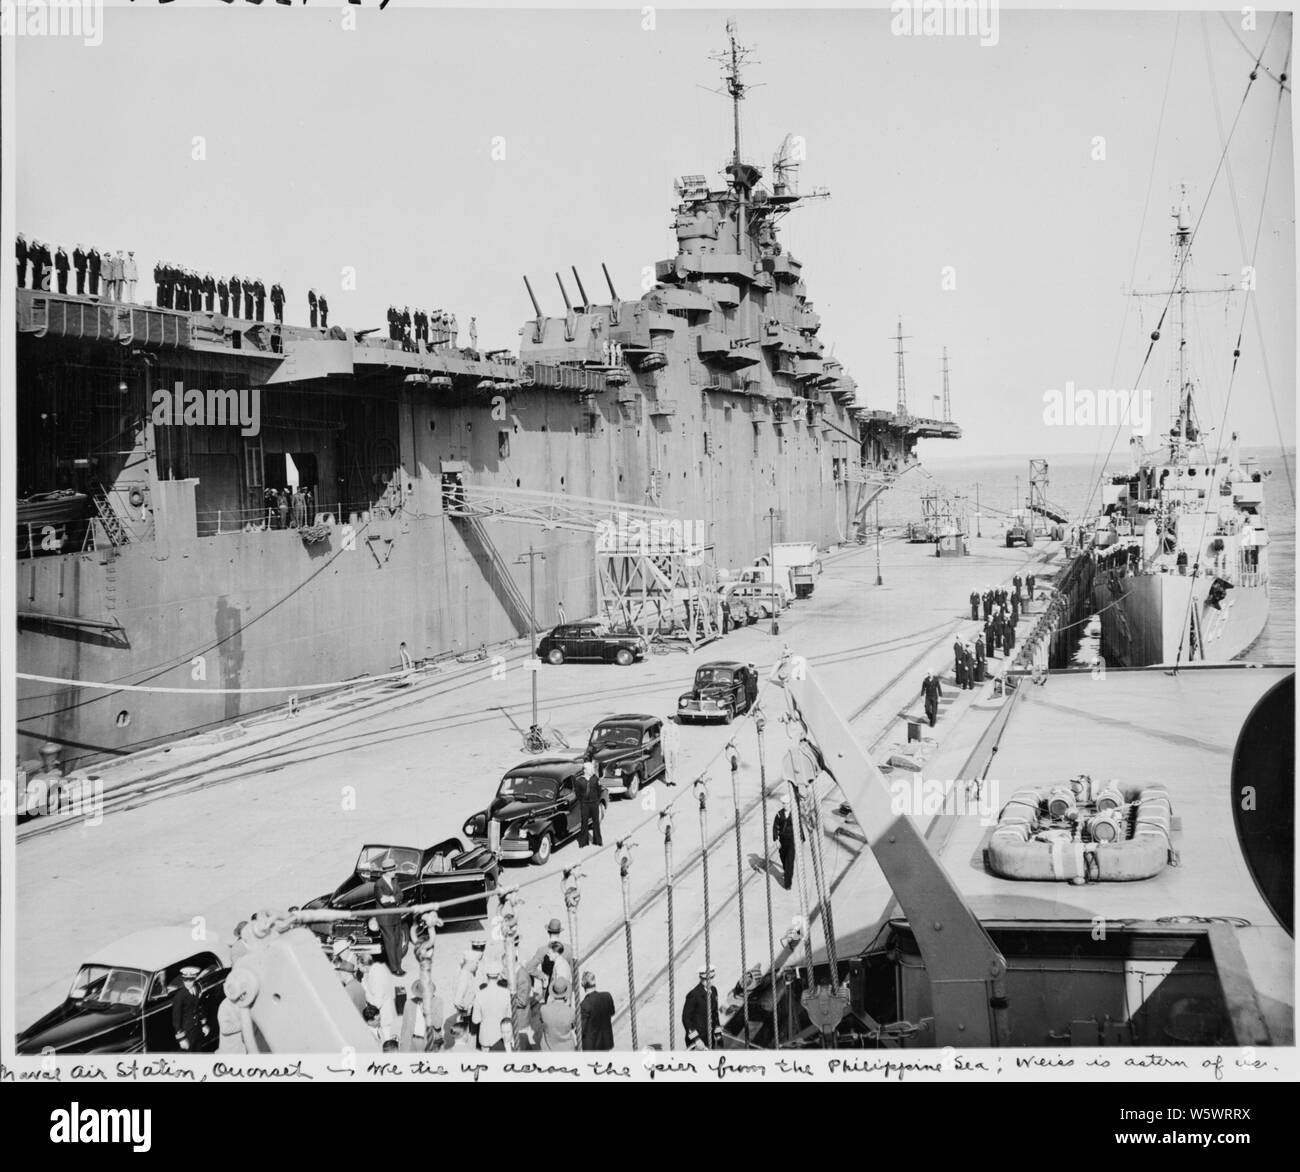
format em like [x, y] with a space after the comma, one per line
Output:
[1079, 833]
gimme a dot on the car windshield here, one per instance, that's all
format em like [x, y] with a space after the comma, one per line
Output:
[108, 985]
[615, 737]
[373, 858]
[712, 675]
[530, 788]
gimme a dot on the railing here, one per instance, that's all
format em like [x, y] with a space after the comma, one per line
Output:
[221, 522]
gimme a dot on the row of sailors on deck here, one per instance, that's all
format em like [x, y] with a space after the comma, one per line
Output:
[118, 272]
[176, 287]
[438, 328]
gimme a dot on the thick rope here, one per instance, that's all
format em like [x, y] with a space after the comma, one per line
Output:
[624, 865]
[740, 890]
[666, 825]
[572, 897]
[760, 722]
[702, 793]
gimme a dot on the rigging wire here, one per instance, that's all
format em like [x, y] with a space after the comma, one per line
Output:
[1236, 358]
[1178, 276]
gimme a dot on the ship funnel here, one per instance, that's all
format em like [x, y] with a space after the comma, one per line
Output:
[570, 319]
[583, 303]
[615, 305]
[539, 322]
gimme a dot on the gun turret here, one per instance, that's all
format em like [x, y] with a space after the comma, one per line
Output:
[615, 305]
[570, 318]
[539, 322]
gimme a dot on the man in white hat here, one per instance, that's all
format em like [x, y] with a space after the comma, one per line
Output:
[700, 1017]
[783, 836]
[491, 1005]
[388, 896]
[189, 1021]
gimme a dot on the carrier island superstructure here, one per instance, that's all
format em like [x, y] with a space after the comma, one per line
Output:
[711, 397]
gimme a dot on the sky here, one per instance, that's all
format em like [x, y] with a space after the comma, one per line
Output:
[374, 148]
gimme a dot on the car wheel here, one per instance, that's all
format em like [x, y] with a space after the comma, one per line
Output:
[555, 656]
[542, 852]
[623, 657]
[633, 786]
[1010, 541]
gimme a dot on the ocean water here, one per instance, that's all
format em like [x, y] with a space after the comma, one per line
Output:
[1072, 486]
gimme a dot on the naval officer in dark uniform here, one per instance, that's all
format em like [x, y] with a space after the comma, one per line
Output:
[587, 790]
[931, 689]
[783, 836]
[700, 1017]
[189, 1022]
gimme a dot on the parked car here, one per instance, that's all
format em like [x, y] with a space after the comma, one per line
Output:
[762, 598]
[736, 612]
[446, 870]
[628, 751]
[722, 691]
[121, 998]
[592, 641]
[535, 808]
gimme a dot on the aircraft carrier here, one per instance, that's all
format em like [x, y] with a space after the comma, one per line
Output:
[148, 556]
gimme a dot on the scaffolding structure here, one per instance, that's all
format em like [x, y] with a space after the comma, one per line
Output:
[654, 573]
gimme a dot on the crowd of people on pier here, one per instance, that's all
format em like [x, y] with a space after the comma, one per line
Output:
[1000, 609]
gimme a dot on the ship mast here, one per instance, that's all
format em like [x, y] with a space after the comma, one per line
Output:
[732, 61]
[1182, 255]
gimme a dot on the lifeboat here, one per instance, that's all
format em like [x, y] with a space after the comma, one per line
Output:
[1079, 832]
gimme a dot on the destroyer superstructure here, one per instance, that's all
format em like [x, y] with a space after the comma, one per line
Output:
[1182, 543]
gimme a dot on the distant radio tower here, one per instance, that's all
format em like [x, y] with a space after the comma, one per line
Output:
[947, 401]
[902, 378]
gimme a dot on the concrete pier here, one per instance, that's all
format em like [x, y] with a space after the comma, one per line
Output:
[275, 815]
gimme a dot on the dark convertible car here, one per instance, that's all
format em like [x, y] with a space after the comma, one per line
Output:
[535, 809]
[121, 999]
[445, 871]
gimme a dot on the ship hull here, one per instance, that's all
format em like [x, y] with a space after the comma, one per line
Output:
[261, 610]
[1146, 619]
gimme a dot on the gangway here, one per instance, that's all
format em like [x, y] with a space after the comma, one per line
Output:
[1038, 502]
[653, 574]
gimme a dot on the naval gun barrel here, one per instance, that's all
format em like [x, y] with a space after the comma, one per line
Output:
[568, 305]
[582, 293]
[608, 282]
[537, 309]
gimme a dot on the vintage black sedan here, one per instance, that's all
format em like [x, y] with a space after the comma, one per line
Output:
[722, 690]
[592, 641]
[121, 998]
[445, 871]
[628, 751]
[535, 810]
